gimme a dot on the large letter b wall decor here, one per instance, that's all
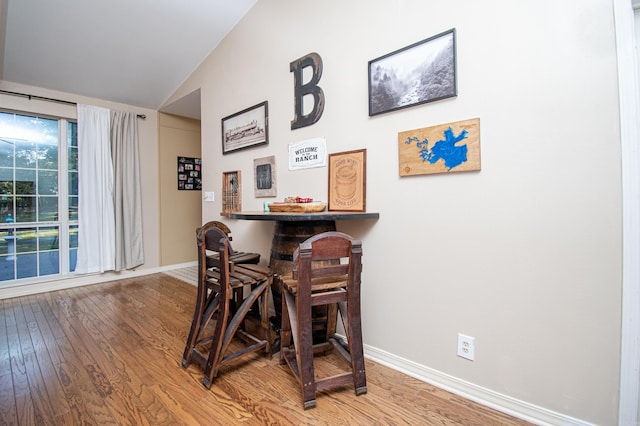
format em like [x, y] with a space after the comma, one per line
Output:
[301, 89]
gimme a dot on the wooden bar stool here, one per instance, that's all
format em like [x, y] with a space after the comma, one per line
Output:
[219, 281]
[327, 269]
[235, 256]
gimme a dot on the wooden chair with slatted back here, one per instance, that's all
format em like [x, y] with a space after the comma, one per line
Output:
[327, 270]
[235, 256]
[219, 280]
[204, 309]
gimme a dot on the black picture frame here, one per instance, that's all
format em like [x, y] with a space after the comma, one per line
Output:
[246, 129]
[264, 173]
[189, 174]
[422, 72]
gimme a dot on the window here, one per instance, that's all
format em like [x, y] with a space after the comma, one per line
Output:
[38, 196]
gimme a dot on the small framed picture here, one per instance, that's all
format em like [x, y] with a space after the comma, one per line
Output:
[245, 129]
[189, 174]
[231, 192]
[347, 181]
[422, 72]
[264, 171]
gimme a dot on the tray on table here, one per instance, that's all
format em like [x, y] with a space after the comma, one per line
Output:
[313, 207]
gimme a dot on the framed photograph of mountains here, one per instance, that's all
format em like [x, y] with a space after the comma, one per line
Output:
[422, 72]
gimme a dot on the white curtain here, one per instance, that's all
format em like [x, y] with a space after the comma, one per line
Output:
[129, 251]
[96, 223]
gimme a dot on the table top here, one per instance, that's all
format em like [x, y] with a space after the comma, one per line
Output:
[296, 217]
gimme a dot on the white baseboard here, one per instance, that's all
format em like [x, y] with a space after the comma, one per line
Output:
[59, 283]
[486, 397]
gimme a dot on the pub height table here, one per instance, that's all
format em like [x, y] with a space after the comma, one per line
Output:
[290, 230]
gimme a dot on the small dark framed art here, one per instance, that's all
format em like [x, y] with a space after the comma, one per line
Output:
[422, 72]
[264, 172]
[245, 129]
[189, 174]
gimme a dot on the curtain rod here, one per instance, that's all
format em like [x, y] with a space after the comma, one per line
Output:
[42, 98]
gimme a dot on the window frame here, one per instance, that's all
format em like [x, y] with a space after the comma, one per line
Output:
[64, 222]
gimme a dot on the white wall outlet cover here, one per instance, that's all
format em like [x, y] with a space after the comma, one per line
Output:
[466, 347]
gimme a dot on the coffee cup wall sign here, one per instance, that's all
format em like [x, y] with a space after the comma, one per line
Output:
[347, 181]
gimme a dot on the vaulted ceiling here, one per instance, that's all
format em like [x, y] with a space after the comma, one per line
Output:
[136, 52]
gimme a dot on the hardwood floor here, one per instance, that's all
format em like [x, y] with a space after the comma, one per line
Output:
[110, 354]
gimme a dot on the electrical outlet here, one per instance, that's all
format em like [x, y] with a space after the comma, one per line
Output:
[466, 347]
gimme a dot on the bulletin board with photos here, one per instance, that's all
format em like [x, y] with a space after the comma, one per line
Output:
[189, 174]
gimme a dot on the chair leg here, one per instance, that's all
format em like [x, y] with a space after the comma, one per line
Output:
[332, 318]
[197, 324]
[264, 317]
[285, 329]
[303, 342]
[354, 333]
[193, 333]
[213, 361]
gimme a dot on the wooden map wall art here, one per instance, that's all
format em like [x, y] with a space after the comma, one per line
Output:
[446, 148]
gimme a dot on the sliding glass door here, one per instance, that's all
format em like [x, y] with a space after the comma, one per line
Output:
[38, 196]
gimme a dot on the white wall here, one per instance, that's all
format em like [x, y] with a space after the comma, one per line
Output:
[524, 255]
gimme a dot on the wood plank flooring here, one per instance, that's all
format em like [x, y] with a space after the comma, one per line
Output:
[110, 354]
